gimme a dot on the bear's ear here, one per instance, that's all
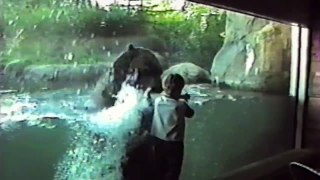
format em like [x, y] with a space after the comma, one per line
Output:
[130, 47]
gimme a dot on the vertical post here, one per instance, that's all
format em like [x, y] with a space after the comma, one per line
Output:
[295, 53]
[302, 84]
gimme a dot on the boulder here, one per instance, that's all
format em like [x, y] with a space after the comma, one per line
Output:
[256, 55]
[82, 72]
[192, 73]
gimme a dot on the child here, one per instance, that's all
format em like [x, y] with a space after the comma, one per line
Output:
[168, 127]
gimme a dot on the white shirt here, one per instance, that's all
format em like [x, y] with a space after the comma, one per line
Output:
[169, 119]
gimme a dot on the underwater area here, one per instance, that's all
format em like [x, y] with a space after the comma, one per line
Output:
[62, 62]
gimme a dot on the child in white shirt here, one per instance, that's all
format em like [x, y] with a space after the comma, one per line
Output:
[168, 128]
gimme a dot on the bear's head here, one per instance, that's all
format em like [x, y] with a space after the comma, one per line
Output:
[141, 59]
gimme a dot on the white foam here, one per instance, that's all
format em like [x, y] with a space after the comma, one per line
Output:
[114, 126]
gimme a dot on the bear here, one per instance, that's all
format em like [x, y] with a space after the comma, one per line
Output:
[147, 64]
[131, 60]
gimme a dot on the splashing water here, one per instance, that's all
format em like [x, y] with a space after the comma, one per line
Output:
[99, 144]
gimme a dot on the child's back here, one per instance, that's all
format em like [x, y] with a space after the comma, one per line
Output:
[169, 118]
[168, 128]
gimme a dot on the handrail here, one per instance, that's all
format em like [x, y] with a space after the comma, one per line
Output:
[270, 166]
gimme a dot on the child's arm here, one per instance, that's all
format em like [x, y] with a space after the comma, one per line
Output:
[189, 112]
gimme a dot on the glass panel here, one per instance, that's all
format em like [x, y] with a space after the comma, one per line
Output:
[315, 63]
[62, 62]
[312, 125]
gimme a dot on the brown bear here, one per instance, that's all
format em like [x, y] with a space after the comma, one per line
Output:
[142, 59]
[133, 59]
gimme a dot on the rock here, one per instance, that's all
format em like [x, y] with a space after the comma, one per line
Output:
[82, 72]
[13, 66]
[256, 55]
[7, 91]
[192, 73]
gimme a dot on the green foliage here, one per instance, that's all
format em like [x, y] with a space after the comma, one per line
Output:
[79, 21]
[195, 34]
[43, 34]
[46, 31]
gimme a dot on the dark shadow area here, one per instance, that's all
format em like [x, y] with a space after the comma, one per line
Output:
[275, 167]
[301, 172]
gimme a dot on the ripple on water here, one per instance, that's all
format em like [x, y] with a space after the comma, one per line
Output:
[96, 149]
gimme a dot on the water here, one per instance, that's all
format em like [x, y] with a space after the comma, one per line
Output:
[226, 135]
[97, 141]
[64, 146]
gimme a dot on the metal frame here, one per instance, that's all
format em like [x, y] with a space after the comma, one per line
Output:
[300, 73]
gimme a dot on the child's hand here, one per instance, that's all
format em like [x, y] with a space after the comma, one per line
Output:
[185, 97]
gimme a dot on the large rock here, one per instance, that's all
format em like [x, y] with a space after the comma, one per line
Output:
[36, 77]
[256, 55]
[82, 72]
[191, 73]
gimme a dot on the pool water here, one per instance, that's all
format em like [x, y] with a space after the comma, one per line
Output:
[230, 129]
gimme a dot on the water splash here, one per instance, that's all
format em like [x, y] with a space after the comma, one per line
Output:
[13, 109]
[100, 143]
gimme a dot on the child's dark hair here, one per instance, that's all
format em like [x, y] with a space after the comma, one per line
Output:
[173, 83]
